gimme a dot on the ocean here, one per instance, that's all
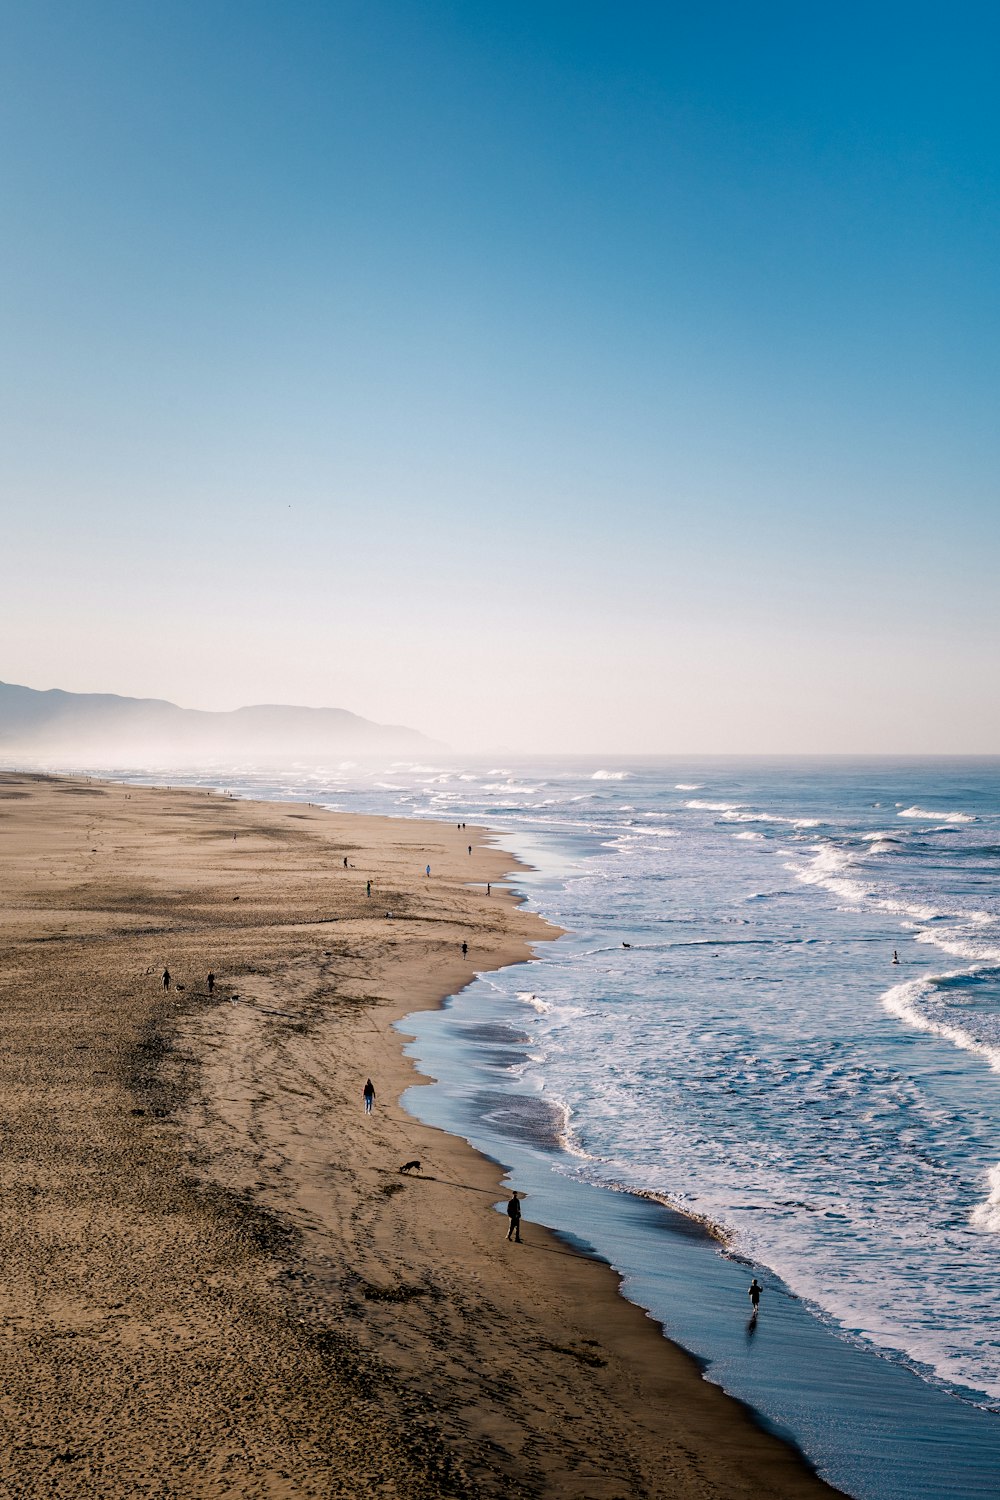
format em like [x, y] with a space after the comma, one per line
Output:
[768, 1043]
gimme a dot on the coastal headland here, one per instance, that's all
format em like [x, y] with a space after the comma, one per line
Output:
[216, 1281]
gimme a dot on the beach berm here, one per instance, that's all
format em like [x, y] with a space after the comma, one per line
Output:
[216, 1280]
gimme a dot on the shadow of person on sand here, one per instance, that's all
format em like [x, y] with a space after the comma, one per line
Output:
[572, 1254]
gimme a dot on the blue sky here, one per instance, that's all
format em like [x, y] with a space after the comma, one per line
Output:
[545, 376]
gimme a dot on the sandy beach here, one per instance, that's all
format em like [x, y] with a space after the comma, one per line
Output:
[216, 1280]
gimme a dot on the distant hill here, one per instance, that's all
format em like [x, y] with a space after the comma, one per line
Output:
[104, 729]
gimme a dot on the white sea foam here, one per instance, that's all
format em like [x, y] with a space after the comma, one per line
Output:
[908, 1001]
[609, 776]
[958, 943]
[832, 868]
[986, 1215]
[688, 786]
[698, 804]
[571, 1140]
[734, 815]
[835, 870]
[937, 817]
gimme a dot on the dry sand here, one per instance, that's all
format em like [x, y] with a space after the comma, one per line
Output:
[216, 1282]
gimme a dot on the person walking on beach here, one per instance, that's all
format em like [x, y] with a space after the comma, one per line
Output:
[470, 848]
[368, 887]
[465, 949]
[166, 979]
[427, 872]
[368, 1094]
[211, 983]
[514, 1215]
[753, 1292]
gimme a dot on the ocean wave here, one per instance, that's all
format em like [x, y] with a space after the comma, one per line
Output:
[726, 943]
[738, 812]
[736, 816]
[572, 1142]
[508, 789]
[609, 776]
[936, 817]
[542, 1007]
[835, 870]
[705, 1224]
[688, 786]
[986, 1215]
[959, 944]
[904, 1002]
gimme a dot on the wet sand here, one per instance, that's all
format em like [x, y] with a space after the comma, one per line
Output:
[216, 1280]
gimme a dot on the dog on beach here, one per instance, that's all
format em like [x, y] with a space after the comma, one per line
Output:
[410, 1166]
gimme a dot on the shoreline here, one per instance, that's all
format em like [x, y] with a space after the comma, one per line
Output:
[399, 1293]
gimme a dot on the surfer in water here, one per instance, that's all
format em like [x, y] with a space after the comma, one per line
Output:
[895, 956]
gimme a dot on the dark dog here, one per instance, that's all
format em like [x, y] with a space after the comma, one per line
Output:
[410, 1166]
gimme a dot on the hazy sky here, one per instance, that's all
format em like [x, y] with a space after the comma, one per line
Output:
[550, 376]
